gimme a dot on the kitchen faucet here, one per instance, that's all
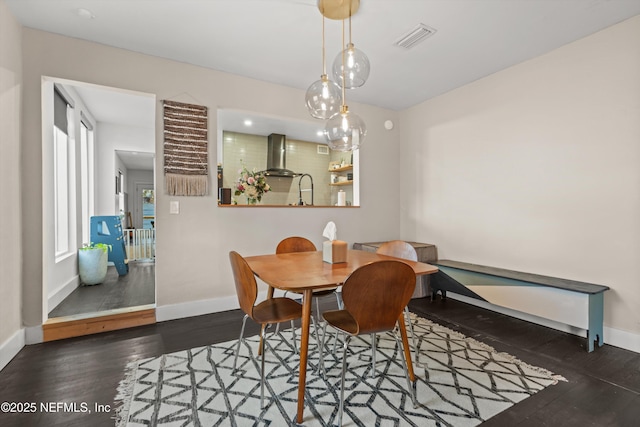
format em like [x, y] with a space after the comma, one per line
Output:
[300, 202]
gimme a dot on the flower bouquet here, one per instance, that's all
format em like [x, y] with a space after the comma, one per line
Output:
[252, 184]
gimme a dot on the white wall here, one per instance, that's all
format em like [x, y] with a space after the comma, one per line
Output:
[192, 247]
[109, 138]
[535, 168]
[11, 336]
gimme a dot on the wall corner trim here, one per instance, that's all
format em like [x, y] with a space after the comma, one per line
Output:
[33, 335]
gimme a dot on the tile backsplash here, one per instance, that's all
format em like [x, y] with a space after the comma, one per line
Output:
[302, 157]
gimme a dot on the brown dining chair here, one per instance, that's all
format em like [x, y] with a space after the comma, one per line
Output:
[404, 250]
[301, 244]
[295, 244]
[269, 311]
[374, 297]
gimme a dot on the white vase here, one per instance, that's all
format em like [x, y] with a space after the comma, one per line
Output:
[92, 264]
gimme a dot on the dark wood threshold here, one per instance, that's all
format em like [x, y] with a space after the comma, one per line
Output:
[87, 324]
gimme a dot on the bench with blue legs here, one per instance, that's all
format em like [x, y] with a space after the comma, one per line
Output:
[570, 302]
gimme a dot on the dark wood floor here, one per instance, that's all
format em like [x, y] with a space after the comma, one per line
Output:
[603, 387]
[136, 288]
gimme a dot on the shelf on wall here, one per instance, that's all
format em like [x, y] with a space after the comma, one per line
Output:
[342, 168]
[341, 183]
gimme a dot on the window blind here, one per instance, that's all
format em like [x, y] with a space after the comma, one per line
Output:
[60, 111]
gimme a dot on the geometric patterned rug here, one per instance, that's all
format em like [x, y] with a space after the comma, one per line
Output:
[460, 382]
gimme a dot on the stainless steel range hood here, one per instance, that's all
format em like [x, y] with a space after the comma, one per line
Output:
[277, 157]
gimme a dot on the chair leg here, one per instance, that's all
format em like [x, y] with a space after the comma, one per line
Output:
[338, 293]
[335, 344]
[262, 347]
[319, 344]
[293, 338]
[316, 321]
[416, 350]
[293, 330]
[278, 324]
[406, 370]
[344, 370]
[235, 360]
[373, 355]
[321, 359]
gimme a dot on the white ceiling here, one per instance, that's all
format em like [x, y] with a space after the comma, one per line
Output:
[135, 160]
[124, 108]
[280, 40]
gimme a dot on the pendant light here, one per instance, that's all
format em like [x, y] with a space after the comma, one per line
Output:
[346, 130]
[351, 67]
[323, 97]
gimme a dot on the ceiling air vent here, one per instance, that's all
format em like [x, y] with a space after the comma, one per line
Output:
[415, 36]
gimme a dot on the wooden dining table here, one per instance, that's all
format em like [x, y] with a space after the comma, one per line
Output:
[305, 272]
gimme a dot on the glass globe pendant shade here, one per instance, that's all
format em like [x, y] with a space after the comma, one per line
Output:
[356, 67]
[345, 131]
[323, 98]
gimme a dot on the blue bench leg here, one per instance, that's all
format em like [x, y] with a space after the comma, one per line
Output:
[596, 320]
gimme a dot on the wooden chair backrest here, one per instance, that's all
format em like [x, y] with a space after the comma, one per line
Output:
[398, 249]
[377, 293]
[246, 285]
[295, 244]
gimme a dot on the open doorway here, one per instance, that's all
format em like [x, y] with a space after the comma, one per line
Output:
[145, 207]
[138, 207]
[120, 126]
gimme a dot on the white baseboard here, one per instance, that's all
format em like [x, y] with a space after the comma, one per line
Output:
[198, 308]
[614, 337]
[195, 308]
[57, 296]
[11, 347]
[622, 339]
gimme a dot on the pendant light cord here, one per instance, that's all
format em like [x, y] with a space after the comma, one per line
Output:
[324, 60]
[344, 83]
